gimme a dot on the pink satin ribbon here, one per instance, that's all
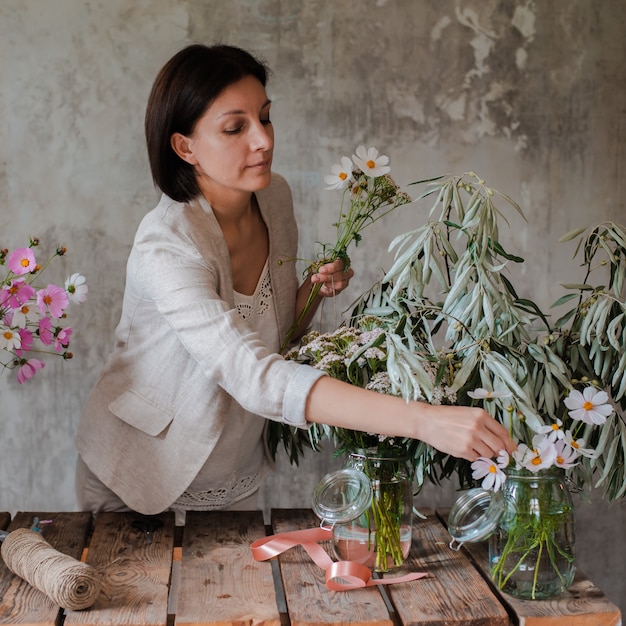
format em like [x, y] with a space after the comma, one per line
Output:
[340, 575]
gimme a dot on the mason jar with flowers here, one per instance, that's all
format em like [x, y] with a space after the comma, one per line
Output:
[532, 548]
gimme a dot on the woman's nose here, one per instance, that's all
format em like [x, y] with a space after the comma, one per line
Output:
[262, 136]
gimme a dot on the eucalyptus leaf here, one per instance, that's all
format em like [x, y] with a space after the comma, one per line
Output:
[572, 234]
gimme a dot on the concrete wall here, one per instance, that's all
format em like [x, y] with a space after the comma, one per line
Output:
[529, 94]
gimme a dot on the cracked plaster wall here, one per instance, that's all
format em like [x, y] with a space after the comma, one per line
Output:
[531, 95]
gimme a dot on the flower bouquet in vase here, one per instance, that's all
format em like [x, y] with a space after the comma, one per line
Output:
[447, 324]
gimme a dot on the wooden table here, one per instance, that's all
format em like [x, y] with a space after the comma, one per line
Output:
[205, 573]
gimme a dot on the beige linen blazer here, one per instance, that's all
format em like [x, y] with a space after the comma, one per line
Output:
[183, 355]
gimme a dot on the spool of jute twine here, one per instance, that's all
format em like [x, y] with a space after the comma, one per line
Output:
[67, 582]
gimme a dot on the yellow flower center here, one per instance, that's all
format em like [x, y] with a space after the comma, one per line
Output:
[536, 460]
[559, 459]
[8, 335]
[25, 310]
[24, 262]
[555, 427]
[371, 164]
[343, 176]
[47, 299]
[492, 469]
[574, 445]
[588, 406]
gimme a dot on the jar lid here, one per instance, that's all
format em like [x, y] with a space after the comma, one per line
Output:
[342, 496]
[474, 516]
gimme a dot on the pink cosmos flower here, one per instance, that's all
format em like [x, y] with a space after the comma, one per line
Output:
[52, 299]
[22, 261]
[16, 294]
[26, 341]
[45, 331]
[28, 370]
[591, 406]
[62, 340]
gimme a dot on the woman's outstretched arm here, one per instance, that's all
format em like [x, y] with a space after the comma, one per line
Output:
[464, 432]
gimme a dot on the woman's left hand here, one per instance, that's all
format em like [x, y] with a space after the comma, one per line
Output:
[333, 277]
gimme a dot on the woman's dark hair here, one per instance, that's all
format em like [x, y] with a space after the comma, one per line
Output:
[183, 90]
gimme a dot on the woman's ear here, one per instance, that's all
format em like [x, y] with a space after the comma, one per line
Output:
[182, 147]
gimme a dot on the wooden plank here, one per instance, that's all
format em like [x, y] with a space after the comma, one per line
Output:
[5, 518]
[22, 604]
[583, 604]
[135, 574]
[220, 582]
[453, 594]
[309, 601]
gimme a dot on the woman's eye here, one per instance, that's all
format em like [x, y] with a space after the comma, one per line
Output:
[266, 121]
[232, 131]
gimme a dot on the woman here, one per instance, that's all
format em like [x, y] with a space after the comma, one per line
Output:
[176, 418]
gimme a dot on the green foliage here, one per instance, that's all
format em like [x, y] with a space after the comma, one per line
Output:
[449, 299]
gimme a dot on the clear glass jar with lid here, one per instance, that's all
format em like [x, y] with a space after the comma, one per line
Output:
[531, 531]
[369, 505]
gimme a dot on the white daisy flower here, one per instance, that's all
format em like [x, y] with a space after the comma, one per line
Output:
[553, 431]
[591, 406]
[76, 288]
[541, 456]
[565, 455]
[341, 174]
[485, 394]
[370, 162]
[487, 469]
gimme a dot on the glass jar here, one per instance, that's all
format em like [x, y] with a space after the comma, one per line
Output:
[370, 507]
[531, 554]
[531, 530]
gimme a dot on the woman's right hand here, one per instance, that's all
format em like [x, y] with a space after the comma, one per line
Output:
[464, 432]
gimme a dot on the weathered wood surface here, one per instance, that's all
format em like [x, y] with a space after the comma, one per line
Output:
[220, 582]
[453, 593]
[583, 604]
[20, 603]
[135, 574]
[5, 518]
[309, 601]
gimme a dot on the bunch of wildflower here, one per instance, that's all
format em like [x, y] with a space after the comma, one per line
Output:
[369, 193]
[350, 354]
[554, 445]
[358, 355]
[32, 316]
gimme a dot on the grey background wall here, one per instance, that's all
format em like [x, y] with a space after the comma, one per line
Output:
[530, 94]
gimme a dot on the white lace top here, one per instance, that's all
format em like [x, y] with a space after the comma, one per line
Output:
[238, 464]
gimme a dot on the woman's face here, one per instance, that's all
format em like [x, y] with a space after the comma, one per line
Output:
[232, 144]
